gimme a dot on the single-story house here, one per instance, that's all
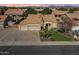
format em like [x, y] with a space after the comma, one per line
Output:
[34, 22]
[74, 19]
[18, 12]
[77, 12]
[58, 13]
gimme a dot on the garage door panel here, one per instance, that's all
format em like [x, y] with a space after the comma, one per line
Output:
[33, 28]
[30, 27]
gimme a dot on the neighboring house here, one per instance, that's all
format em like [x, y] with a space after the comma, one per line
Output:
[2, 19]
[77, 12]
[18, 12]
[74, 19]
[34, 22]
[58, 13]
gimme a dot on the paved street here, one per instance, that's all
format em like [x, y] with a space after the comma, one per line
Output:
[37, 50]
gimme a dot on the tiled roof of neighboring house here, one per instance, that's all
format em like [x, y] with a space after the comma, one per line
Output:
[32, 19]
[58, 12]
[76, 12]
[49, 18]
[74, 16]
[15, 11]
[2, 17]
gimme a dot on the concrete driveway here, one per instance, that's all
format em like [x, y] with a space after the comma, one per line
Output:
[28, 36]
[13, 34]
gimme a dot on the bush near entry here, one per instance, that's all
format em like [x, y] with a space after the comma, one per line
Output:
[31, 10]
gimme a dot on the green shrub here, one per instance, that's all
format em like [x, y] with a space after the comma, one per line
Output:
[46, 11]
[31, 10]
[55, 36]
[62, 9]
[71, 10]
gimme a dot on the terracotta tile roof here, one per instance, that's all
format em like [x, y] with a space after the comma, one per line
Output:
[24, 22]
[32, 19]
[37, 19]
[73, 16]
[49, 18]
[15, 11]
[76, 12]
[58, 12]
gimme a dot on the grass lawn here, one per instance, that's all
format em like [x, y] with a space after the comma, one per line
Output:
[57, 36]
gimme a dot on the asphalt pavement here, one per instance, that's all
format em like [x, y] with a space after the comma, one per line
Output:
[40, 50]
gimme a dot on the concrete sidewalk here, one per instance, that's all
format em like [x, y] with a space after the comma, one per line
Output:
[37, 43]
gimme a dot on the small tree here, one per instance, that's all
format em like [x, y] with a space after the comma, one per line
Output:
[3, 9]
[2, 12]
[71, 10]
[62, 9]
[46, 11]
[31, 10]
